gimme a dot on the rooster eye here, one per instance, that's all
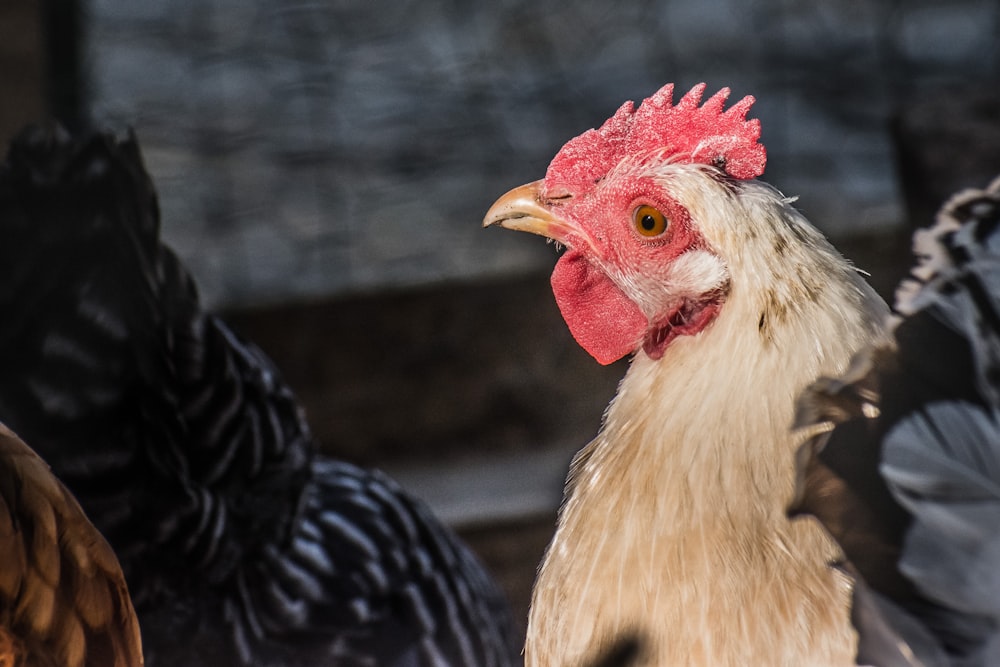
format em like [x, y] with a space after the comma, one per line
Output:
[649, 221]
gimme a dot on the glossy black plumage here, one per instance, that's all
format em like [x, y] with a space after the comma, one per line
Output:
[909, 480]
[240, 544]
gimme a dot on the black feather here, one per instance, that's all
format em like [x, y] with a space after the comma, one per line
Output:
[915, 455]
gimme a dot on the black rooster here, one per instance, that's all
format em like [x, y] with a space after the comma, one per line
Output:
[241, 545]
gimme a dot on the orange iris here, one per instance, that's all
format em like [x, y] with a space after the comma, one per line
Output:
[649, 221]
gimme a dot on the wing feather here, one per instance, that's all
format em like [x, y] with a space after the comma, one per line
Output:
[908, 479]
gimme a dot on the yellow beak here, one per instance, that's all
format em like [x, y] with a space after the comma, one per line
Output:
[523, 209]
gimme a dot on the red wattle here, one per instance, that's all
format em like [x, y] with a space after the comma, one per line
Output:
[602, 319]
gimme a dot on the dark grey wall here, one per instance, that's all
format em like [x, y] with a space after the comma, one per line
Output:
[306, 148]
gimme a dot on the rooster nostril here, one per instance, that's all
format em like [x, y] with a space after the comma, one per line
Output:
[556, 200]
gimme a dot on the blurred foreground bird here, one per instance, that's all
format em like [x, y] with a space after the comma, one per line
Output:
[909, 480]
[63, 598]
[731, 303]
[240, 544]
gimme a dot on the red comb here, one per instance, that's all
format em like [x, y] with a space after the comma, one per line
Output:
[687, 132]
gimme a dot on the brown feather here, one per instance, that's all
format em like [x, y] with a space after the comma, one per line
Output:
[63, 598]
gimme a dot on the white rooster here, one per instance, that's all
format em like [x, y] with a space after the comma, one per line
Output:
[673, 523]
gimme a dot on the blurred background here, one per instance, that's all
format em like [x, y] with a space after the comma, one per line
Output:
[323, 168]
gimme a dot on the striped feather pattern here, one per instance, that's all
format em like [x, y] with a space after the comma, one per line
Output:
[194, 458]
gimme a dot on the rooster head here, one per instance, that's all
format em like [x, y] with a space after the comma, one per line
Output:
[638, 271]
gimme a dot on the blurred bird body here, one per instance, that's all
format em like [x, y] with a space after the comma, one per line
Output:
[241, 545]
[673, 521]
